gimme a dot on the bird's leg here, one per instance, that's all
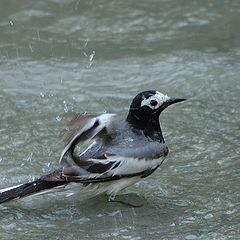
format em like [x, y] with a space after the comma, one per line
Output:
[112, 199]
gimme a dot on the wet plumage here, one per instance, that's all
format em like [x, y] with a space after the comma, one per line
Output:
[120, 151]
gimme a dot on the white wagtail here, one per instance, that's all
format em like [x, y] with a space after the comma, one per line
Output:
[120, 151]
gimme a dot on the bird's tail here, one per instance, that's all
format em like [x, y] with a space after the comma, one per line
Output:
[44, 183]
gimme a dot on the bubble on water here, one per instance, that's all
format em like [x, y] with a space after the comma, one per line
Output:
[191, 237]
[230, 212]
[9, 226]
[84, 220]
[208, 216]
[191, 218]
[188, 220]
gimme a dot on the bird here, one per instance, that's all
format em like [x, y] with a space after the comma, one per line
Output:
[106, 152]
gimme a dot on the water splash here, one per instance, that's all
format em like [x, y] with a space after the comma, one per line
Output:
[91, 56]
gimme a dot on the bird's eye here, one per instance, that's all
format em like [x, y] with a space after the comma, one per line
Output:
[153, 103]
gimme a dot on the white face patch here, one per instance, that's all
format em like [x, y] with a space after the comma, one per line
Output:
[158, 97]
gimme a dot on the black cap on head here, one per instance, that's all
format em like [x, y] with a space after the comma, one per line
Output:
[150, 103]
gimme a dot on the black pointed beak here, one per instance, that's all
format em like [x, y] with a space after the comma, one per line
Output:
[171, 101]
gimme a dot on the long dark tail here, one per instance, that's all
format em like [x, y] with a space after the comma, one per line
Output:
[44, 183]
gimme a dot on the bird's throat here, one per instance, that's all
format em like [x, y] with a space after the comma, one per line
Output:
[150, 125]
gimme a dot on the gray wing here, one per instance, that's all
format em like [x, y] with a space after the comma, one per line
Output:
[81, 128]
[72, 122]
[100, 162]
[144, 150]
[131, 162]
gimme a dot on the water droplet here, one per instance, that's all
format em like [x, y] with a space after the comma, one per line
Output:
[38, 35]
[91, 56]
[85, 43]
[30, 47]
[65, 106]
[42, 94]
[58, 118]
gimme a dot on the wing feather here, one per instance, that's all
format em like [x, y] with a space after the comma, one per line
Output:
[114, 167]
[111, 165]
[85, 127]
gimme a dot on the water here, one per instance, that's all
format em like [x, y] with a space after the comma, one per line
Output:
[94, 56]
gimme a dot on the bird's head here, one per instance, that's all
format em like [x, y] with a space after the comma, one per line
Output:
[148, 105]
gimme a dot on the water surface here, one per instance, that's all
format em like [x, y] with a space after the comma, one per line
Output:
[58, 56]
